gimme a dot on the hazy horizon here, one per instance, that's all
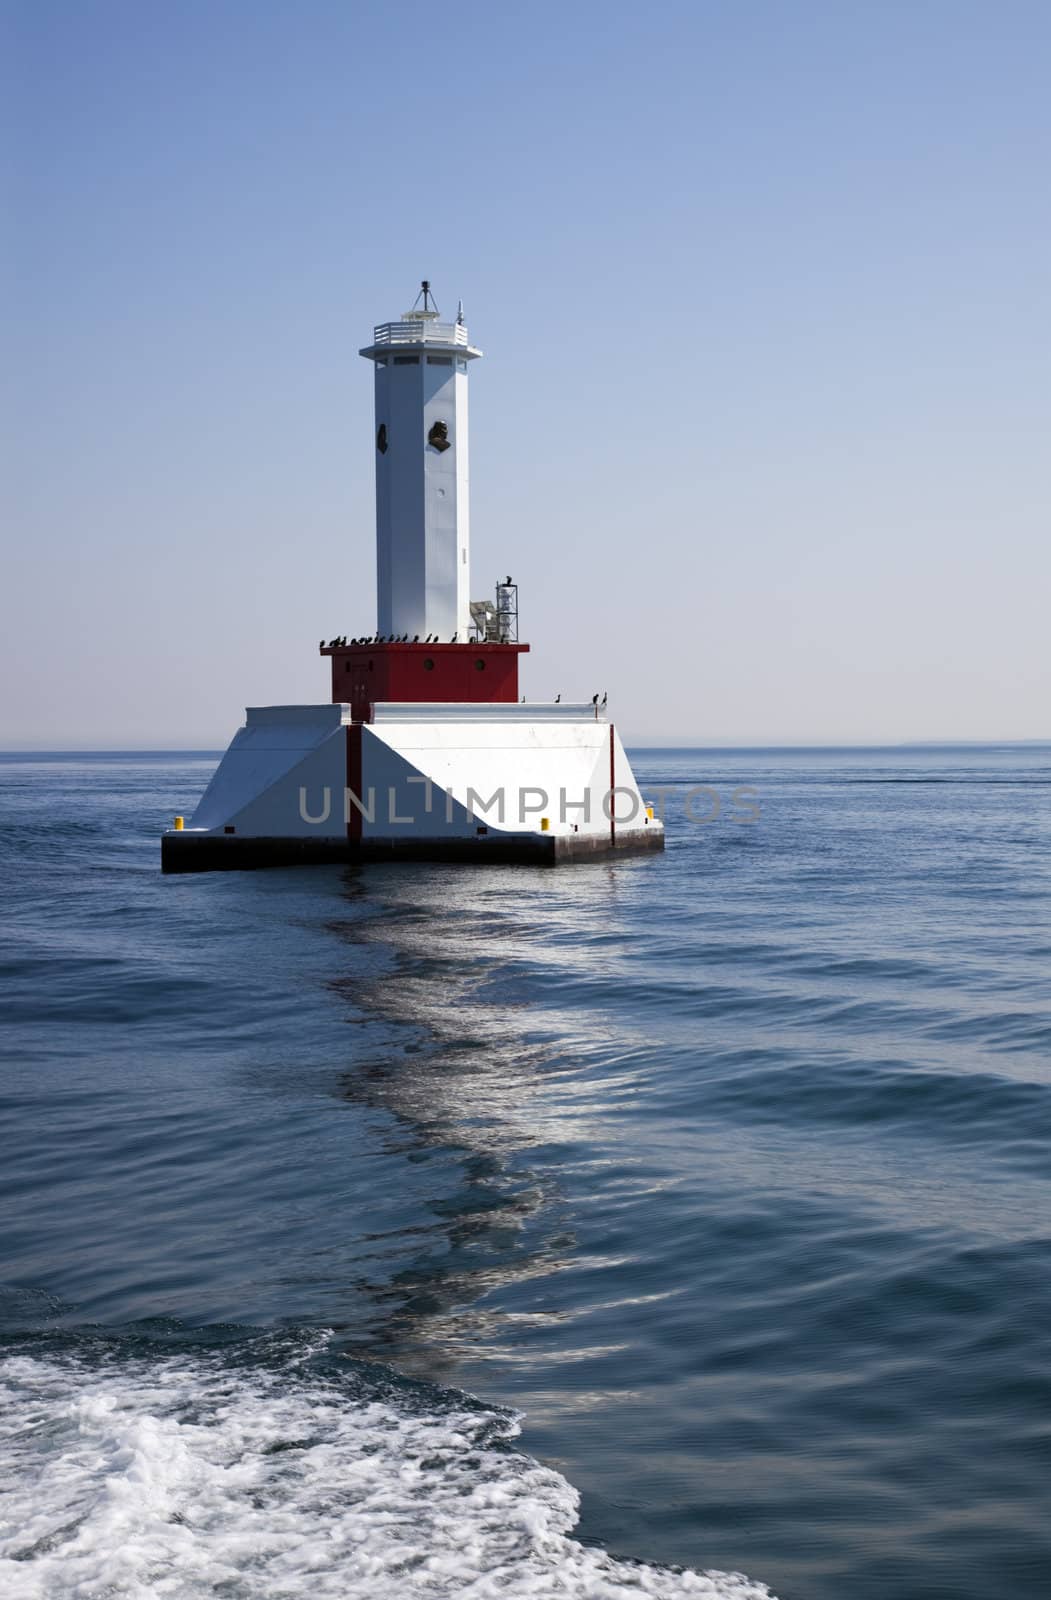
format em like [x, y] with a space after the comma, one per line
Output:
[761, 425]
[803, 746]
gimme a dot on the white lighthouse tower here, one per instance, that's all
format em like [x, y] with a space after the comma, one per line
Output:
[423, 527]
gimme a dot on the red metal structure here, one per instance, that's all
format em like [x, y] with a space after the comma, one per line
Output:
[466, 673]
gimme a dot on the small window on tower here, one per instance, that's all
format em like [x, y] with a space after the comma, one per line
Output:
[439, 361]
[381, 439]
[428, 664]
[461, 366]
[479, 665]
[438, 437]
[406, 361]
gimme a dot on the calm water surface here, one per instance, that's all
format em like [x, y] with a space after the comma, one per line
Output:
[357, 1221]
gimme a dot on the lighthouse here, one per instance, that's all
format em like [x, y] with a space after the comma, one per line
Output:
[425, 749]
[423, 514]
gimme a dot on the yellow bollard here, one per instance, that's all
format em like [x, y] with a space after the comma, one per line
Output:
[545, 824]
[649, 813]
[178, 824]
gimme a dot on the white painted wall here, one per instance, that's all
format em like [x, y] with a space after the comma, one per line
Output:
[492, 750]
[255, 788]
[289, 764]
[423, 562]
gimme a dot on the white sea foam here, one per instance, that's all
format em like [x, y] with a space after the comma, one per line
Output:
[181, 1476]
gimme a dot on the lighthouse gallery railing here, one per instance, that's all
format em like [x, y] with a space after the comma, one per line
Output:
[419, 332]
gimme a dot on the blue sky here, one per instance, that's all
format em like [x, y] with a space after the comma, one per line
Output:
[762, 428]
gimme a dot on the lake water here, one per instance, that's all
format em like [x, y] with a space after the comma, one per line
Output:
[365, 1228]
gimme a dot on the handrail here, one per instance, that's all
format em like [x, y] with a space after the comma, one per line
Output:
[420, 332]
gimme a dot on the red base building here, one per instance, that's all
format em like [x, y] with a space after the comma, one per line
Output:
[363, 674]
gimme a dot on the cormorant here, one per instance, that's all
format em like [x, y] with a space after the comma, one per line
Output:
[605, 697]
[558, 697]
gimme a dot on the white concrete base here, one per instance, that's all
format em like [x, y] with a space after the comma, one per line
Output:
[485, 782]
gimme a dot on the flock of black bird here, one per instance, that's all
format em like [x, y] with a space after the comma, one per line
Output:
[382, 638]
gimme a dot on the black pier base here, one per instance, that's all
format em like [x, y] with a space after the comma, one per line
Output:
[184, 850]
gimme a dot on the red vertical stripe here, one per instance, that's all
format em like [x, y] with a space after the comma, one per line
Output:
[354, 777]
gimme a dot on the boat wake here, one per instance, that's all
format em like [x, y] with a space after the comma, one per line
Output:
[278, 1469]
